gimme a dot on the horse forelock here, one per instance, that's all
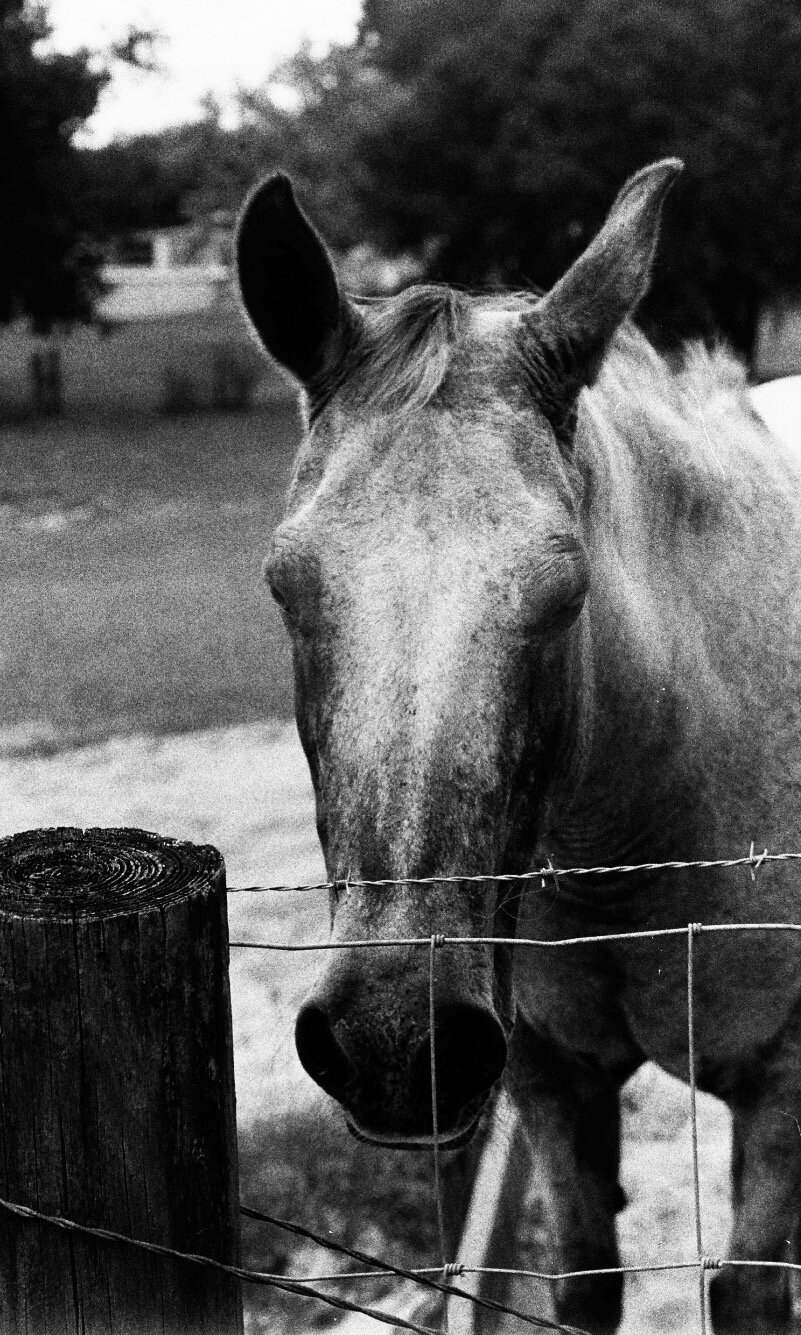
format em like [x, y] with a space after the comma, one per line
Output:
[404, 347]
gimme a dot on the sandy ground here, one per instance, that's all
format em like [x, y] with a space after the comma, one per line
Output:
[246, 790]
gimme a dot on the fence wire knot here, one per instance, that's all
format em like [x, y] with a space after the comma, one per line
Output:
[754, 861]
[438, 940]
[550, 870]
[695, 928]
[452, 1268]
[710, 1263]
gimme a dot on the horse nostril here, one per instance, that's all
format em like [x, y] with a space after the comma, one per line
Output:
[470, 1054]
[320, 1053]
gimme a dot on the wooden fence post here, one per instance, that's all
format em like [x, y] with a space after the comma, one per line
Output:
[117, 1102]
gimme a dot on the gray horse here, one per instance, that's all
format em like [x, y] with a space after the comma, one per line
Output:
[543, 596]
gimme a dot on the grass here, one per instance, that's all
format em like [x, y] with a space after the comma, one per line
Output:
[304, 1168]
[132, 595]
[132, 602]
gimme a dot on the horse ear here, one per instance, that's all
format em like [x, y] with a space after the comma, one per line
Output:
[288, 284]
[569, 331]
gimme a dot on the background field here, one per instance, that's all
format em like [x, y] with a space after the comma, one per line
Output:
[131, 593]
[145, 680]
[246, 790]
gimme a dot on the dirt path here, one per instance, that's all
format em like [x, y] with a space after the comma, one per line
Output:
[246, 790]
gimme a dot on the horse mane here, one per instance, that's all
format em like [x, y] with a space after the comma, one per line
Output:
[667, 449]
[663, 446]
[682, 484]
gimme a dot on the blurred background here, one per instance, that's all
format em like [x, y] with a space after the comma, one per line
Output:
[145, 444]
[476, 141]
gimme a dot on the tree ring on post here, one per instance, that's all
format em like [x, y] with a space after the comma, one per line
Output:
[64, 873]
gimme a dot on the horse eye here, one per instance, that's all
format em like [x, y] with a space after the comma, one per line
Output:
[278, 597]
[270, 576]
[565, 613]
[560, 610]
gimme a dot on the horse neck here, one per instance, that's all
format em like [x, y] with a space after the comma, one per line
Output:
[625, 793]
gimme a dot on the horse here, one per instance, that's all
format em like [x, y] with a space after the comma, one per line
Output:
[542, 590]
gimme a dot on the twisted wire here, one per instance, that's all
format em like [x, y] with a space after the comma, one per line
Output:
[298, 1287]
[541, 874]
[305, 1287]
[422, 1275]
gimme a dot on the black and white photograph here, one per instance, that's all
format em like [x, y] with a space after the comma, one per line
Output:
[400, 667]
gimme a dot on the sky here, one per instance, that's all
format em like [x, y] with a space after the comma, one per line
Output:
[211, 46]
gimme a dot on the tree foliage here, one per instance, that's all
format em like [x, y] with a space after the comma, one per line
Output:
[185, 172]
[149, 180]
[191, 171]
[496, 133]
[48, 269]
[490, 137]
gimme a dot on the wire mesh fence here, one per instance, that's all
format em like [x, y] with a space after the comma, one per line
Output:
[440, 1279]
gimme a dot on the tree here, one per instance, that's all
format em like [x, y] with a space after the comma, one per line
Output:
[317, 136]
[148, 180]
[194, 170]
[497, 132]
[48, 269]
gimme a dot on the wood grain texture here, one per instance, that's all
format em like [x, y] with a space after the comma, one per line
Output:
[117, 1104]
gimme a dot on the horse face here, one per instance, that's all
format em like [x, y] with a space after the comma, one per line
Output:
[431, 574]
[429, 587]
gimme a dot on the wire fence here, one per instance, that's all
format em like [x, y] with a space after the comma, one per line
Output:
[439, 1279]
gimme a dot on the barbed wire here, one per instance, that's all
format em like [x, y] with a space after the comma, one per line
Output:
[703, 1263]
[543, 873]
[306, 1286]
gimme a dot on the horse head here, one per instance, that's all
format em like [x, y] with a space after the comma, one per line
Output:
[432, 574]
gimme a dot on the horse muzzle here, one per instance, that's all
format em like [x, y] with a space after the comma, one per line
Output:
[381, 1068]
[454, 1140]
